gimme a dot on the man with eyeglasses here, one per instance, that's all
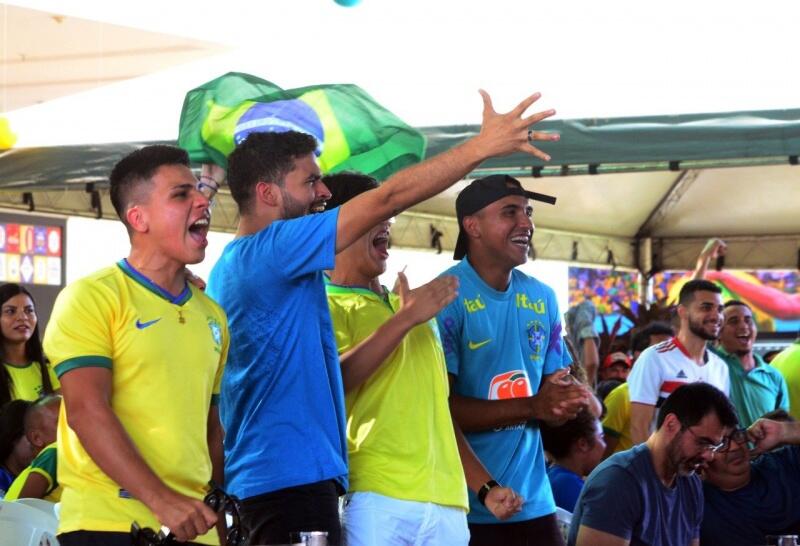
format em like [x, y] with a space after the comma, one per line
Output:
[745, 501]
[140, 354]
[651, 494]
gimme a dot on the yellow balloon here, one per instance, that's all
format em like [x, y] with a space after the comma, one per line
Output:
[7, 137]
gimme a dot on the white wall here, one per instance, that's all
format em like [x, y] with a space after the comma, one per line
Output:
[94, 244]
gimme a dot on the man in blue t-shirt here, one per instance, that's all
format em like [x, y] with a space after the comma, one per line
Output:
[506, 358]
[281, 399]
[745, 502]
[650, 494]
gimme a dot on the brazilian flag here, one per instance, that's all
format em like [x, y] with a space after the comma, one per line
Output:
[354, 132]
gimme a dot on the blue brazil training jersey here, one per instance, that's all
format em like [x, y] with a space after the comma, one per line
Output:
[499, 345]
[281, 402]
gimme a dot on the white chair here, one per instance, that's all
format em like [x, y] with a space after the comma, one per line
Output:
[25, 525]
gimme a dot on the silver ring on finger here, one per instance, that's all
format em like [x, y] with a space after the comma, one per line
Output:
[530, 134]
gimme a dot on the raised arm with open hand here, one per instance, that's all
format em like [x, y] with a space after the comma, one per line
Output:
[500, 134]
[510, 132]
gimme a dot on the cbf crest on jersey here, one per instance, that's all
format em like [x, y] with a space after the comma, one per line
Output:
[537, 339]
[216, 333]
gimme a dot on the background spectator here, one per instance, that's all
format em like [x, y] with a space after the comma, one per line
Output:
[15, 449]
[576, 447]
[25, 374]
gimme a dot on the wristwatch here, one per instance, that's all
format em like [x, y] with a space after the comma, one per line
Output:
[484, 490]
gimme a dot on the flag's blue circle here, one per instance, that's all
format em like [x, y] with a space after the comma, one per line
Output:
[279, 117]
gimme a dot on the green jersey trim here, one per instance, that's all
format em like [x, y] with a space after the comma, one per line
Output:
[93, 361]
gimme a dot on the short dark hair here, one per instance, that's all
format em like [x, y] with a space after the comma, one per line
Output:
[346, 185]
[641, 339]
[559, 440]
[12, 426]
[139, 167]
[266, 157]
[693, 401]
[35, 410]
[696, 285]
[732, 303]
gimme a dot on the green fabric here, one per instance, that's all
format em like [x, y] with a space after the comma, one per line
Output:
[83, 362]
[627, 143]
[756, 392]
[354, 131]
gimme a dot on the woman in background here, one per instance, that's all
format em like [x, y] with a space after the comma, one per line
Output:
[25, 373]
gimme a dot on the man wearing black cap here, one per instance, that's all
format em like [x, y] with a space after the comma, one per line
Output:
[506, 359]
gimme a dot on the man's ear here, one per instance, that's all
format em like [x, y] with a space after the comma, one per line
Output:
[268, 193]
[682, 311]
[137, 219]
[583, 445]
[35, 438]
[471, 226]
[671, 424]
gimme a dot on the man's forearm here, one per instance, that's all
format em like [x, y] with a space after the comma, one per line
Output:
[791, 432]
[108, 444]
[641, 419]
[475, 415]
[359, 363]
[474, 471]
[424, 180]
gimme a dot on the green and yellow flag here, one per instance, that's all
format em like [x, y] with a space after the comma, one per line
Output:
[354, 132]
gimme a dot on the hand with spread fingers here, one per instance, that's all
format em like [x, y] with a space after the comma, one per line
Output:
[423, 303]
[503, 502]
[504, 134]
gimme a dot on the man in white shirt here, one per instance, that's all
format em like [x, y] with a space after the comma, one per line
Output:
[685, 358]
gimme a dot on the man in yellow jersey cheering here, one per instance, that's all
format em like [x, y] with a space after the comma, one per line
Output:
[140, 355]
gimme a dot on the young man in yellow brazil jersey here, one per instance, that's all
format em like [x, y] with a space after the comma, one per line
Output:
[140, 354]
[407, 461]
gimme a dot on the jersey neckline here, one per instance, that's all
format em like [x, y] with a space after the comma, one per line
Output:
[140, 278]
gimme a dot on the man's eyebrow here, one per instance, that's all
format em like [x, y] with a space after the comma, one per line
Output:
[185, 185]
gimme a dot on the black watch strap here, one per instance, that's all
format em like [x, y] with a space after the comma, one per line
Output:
[484, 490]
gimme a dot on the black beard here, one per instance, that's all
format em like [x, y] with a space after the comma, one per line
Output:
[700, 332]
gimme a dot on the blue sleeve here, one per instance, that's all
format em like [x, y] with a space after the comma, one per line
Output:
[450, 322]
[300, 246]
[557, 356]
[566, 490]
[611, 502]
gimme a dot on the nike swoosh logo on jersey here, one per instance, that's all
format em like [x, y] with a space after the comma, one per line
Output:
[478, 345]
[142, 325]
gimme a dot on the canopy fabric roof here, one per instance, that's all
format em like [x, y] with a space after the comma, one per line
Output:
[663, 184]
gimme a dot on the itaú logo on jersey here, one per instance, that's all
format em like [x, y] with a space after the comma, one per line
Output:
[513, 384]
